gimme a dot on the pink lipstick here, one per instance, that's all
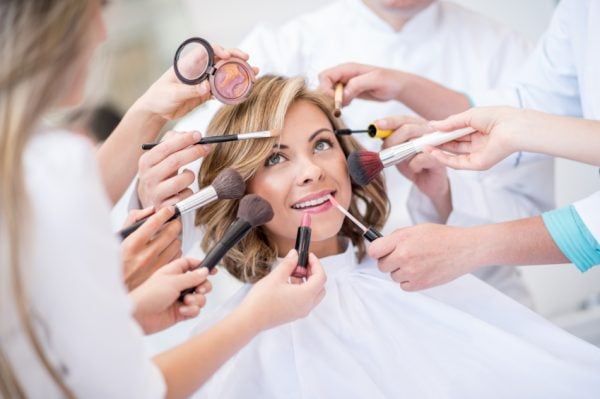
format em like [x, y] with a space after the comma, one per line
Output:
[302, 244]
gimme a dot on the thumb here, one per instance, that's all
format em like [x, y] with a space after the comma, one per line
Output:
[357, 86]
[190, 279]
[136, 214]
[382, 246]
[453, 122]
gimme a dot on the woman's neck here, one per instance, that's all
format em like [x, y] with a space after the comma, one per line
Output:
[328, 247]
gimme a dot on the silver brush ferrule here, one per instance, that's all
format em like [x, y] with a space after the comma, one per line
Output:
[201, 198]
[393, 155]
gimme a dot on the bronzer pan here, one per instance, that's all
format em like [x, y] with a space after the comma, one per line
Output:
[230, 80]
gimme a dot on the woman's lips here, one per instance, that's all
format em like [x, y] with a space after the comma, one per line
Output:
[314, 203]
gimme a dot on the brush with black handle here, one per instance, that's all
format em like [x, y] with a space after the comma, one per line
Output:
[253, 211]
[227, 185]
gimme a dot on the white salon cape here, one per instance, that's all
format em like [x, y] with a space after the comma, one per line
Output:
[445, 43]
[562, 77]
[72, 271]
[370, 339]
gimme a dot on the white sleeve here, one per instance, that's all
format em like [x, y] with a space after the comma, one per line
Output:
[548, 81]
[520, 186]
[77, 293]
[588, 210]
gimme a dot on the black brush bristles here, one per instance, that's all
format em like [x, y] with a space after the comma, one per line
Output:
[255, 210]
[229, 184]
[364, 166]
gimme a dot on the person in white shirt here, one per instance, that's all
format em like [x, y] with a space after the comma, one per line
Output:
[66, 322]
[559, 78]
[558, 236]
[367, 338]
[438, 40]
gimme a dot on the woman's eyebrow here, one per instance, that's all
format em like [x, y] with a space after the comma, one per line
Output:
[280, 146]
[312, 136]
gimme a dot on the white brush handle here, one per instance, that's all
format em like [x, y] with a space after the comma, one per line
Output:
[437, 138]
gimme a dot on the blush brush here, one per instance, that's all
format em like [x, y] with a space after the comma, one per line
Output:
[364, 166]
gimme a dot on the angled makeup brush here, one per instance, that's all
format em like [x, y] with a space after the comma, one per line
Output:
[372, 130]
[253, 211]
[365, 165]
[227, 137]
[228, 184]
[369, 233]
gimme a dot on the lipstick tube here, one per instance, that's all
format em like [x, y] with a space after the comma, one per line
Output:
[302, 245]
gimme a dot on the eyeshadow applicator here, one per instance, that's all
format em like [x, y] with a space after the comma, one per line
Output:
[224, 138]
[338, 99]
[369, 233]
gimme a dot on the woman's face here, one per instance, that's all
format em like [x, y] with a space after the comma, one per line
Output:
[96, 35]
[306, 166]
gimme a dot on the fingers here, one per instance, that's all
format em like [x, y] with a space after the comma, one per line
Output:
[340, 73]
[453, 122]
[176, 184]
[359, 85]
[150, 227]
[316, 275]
[383, 246]
[172, 146]
[287, 265]
[464, 161]
[190, 279]
[137, 214]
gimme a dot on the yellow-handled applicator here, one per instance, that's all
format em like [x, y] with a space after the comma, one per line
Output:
[372, 130]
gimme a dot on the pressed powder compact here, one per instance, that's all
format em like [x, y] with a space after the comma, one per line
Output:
[230, 80]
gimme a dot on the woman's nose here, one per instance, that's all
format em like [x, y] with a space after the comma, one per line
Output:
[309, 172]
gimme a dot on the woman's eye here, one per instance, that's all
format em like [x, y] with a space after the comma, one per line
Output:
[274, 159]
[323, 145]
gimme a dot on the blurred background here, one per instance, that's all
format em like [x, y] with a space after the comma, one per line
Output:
[144, 34]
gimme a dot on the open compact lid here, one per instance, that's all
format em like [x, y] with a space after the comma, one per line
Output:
[231, 80]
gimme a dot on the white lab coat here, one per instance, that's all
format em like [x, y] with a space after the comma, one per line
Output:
[445, 43]
[73, 276]
[368, 339]
[562, 77]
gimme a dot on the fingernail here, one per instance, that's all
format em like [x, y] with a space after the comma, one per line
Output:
[148, 209]
[203, 271]
[291, 253]
[382, 124]
[202, 290]
[206, 148]
[197, 136]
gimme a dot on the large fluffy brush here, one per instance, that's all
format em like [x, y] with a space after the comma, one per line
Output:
[365, 165]
[227, 185]
[253, 211]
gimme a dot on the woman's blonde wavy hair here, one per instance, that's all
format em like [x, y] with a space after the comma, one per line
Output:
[39, 43]
[265, 109]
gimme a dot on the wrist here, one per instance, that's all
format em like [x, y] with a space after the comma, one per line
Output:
[443, 203]
[246, 321]
[402, 82]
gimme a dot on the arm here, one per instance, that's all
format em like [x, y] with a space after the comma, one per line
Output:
[272, 301]
[165, 100]
[501, 131]
[425, 97]
[427, 255]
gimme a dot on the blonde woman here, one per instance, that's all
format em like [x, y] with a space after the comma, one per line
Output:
[368, 337]
[66, 325]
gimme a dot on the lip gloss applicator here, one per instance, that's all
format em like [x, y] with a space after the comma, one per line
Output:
[302, 244]
[369, 233]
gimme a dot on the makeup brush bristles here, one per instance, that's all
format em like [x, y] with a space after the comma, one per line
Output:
[229, 184]
[364, 166]
[255, 210]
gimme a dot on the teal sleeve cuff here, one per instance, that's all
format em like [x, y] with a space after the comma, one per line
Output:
[471, 102]
[573, 237]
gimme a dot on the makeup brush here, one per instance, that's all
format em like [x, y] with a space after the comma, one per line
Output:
[372, 130]
[227, 137]
[338, 98]
[253, 211]
[228, 184]
[369, 233]
[365, 165]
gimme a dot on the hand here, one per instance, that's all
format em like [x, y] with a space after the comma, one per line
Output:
[426, 255]
[363, 81]
[156, 300]
[171, 99]
[151, 246]
[274, 300]
[160, 183]
[495, 138]
[423, 170]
